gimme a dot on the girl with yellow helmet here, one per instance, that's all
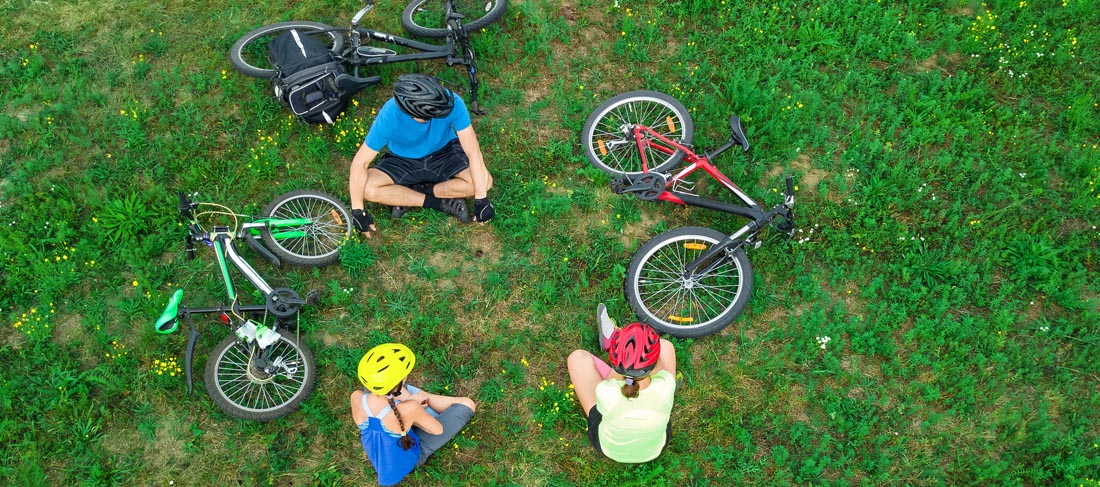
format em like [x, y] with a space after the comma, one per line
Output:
[400, 426]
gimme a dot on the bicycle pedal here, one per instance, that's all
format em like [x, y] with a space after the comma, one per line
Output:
[786, 227]
[620, 184]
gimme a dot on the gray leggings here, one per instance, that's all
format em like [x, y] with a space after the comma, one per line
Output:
[453, 419]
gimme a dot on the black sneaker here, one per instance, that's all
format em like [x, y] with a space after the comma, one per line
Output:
[399, 211]
[455, 207]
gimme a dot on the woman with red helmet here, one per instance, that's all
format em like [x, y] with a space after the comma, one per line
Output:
[629, 402]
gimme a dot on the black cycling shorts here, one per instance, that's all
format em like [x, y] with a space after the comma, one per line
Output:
[436, 167]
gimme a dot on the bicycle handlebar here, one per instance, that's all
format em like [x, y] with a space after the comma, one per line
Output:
[185, 205]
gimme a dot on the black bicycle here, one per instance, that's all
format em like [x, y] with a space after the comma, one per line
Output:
[430, 18]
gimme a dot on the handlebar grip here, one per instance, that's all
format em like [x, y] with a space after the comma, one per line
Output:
[190, 248]
[790, 185]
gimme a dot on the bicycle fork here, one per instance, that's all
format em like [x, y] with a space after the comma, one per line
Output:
[463, 55]
[745, 234]
[710, 256]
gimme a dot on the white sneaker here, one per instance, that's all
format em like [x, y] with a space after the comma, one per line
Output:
[606, 326]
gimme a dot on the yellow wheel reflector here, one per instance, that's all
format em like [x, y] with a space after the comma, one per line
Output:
[671, 124]
[694, 246]
[681, 319]
[336, 216]
[603, 148]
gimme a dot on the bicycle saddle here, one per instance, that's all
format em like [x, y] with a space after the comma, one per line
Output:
[737, 132]
[371, 51]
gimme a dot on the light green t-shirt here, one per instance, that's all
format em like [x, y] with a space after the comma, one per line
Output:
[633, 430]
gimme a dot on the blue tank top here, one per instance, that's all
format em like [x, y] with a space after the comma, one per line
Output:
[388, 458]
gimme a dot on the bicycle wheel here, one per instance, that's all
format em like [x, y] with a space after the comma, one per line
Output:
[249, 53]
[260, 385]
[609, 143]
[428, 18]
[316, 243]
[696, 306]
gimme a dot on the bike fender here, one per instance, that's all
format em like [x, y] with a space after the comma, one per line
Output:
[260, 249]
[188, 356]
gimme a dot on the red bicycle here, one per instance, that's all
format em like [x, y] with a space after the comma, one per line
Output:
[690, 281]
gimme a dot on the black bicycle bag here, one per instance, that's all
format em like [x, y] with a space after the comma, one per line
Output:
[308, 77]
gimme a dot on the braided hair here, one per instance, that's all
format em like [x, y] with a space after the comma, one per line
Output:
[405, 441]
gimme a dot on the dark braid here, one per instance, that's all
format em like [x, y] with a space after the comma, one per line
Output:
[630, 389]
[405, 441]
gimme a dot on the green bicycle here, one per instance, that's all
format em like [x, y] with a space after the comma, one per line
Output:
[262, 371]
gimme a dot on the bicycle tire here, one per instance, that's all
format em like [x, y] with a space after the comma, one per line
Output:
[245, 391]
[330, 225]
[611, 123]
[427, 18]
[250, 58]
[660, 296]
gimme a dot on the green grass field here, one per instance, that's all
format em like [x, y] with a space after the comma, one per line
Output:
[947, 159]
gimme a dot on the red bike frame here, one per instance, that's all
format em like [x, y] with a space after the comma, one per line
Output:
[644, 137]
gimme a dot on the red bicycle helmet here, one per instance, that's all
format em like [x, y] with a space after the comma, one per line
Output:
[634, 350]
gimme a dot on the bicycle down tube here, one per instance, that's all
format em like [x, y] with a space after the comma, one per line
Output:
[223, 248]
[642, 135]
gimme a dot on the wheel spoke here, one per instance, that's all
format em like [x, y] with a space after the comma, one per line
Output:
[322, 236]
[250, 388]
[677, 302]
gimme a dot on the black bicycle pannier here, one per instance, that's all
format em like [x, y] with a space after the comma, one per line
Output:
[308, 77]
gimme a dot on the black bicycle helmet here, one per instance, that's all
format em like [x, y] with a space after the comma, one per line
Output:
[421, 96]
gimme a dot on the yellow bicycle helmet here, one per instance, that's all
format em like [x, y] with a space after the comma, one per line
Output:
[385, 366]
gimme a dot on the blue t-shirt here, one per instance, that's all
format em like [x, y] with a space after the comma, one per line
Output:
[406, 137]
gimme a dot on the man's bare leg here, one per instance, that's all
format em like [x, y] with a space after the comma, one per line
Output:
[381, 189]
[460, 186]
